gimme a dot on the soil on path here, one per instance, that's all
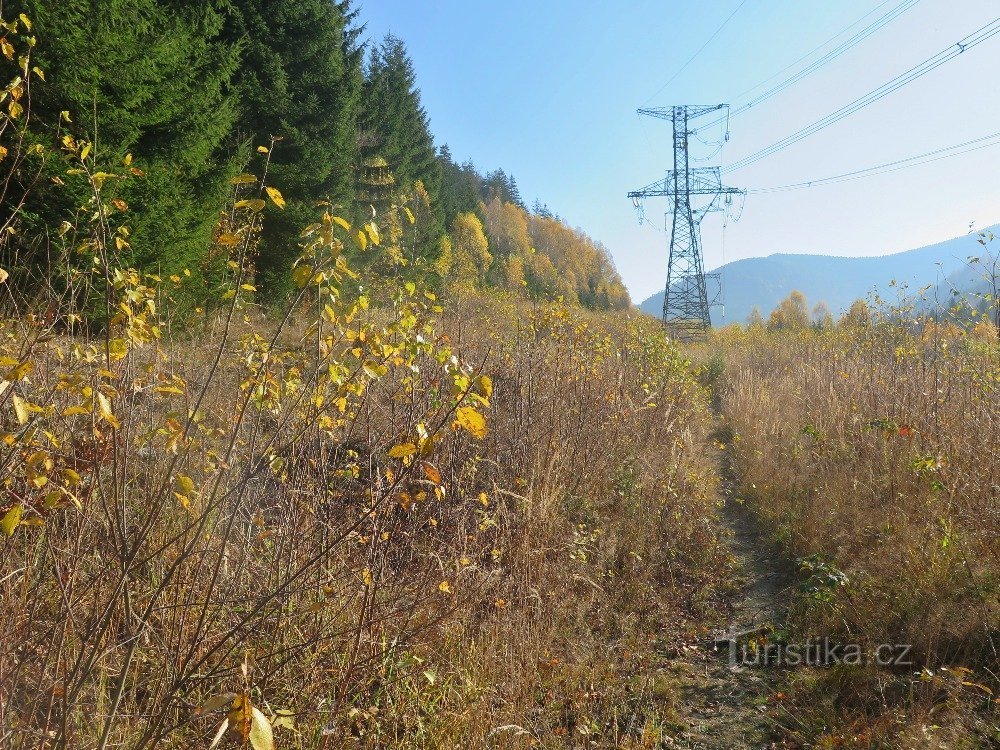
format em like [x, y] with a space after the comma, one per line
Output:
[722, 705]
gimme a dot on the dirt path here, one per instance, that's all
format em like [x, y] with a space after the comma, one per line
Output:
[722, 706]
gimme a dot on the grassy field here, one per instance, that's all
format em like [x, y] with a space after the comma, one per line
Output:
[386, 526]
[870, 453]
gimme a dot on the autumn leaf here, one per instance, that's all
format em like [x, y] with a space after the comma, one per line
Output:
[431, 472]
[20, 409]
[444, 587]
[275, 195]
[471, 420]
[104, 409]
[402, 450]
[261, 735]
[254, 204]
[11, 519]
[301, 275]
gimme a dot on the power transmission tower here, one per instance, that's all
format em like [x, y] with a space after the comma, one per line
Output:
[685, 301]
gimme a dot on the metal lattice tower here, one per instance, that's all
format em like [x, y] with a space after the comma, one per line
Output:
[685, 301]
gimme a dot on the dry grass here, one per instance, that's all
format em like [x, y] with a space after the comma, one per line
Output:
[875, 449]
[240, 532]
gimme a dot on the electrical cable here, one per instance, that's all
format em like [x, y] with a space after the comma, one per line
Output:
[700, 50]
[822, 61]
[946, 152]
[979, 36]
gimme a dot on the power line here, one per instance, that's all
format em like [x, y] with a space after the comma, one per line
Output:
[830, 56]
[811, 52]
[700, 50]
[947, 152]
[977, 37]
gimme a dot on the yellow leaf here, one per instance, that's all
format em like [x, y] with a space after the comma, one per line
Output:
[341, 222]
[26, 21]
[263, 150]
[104, 408]
[71, 411]
[3, 275]
[184, 484]
[71, 477]
[362, 240]
[301, 275]
[243, 179]
[409, 214]
[20, 409]
[11, 519]
[261, 735]
[444, 587]
[228, 239]
[254, 204]
[118, 349]
[373, 233]
[275, 195]
[402, 450]
[471, 420]
[486, 385]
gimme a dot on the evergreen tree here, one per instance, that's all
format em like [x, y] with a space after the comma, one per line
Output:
[148, 78]
[299, 82]
[461, 186]
[393, 123]
[498, 184]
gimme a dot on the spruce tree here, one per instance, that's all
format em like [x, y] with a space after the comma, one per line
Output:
[148, 78]
[299, 82]
[394, 124]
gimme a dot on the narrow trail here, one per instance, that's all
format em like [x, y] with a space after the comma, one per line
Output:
[722, 705]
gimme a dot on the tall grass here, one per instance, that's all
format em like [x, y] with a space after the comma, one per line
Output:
[872, 451]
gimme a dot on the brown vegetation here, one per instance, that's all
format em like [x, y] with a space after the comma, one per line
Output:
[870, 452]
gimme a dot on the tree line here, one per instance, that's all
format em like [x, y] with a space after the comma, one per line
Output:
[200, 91]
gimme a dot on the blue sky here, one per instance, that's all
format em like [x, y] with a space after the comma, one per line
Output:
[548, 91]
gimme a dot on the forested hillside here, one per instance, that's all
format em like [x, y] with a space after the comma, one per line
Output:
[198, 93]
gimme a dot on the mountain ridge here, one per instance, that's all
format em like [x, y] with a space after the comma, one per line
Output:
[834, 279]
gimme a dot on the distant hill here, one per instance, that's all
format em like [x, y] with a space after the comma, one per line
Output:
[838, 281]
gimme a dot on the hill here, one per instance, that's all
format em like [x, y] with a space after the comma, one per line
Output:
[836, 280]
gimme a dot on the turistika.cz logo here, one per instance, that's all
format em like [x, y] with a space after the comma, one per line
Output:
[819, 652]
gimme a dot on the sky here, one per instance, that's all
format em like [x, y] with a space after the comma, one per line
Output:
[548, 90]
